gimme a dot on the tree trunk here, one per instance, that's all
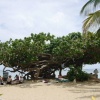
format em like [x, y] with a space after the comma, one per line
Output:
[60, 71]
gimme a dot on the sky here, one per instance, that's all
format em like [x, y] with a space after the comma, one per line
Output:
[20, 18]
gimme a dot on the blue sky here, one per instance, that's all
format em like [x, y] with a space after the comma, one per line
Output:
[20, 18]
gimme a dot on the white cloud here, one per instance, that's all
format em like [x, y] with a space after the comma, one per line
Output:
[58, 18]
[20, 18]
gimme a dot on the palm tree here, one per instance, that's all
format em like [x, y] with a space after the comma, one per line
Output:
[86, 9]
[93, 19]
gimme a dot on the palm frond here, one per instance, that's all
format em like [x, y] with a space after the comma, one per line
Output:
[96, 2]
[92, 20]
[87, 22]
[98, 33]
[87, 9]
[84, 7]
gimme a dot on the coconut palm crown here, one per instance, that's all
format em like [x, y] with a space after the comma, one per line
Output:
[86, 9]
[92, 20]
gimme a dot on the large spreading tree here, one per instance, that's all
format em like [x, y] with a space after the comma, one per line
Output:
[40, 58]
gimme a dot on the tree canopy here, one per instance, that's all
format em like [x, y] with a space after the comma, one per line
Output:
[35, 52]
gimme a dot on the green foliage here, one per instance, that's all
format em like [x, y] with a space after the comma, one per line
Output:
[77, 73]
[67, 46]
[66, 49]
[19, 52]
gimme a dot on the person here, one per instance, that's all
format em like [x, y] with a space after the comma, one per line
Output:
[24, 77]
[0, 79]
[16, 79]
[9, 80]
[96, 73]
[60, 78]
[21, 79]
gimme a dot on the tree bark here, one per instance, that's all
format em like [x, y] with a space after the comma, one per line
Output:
[60, 71]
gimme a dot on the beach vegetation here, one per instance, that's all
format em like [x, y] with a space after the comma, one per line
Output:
[39, 57]
[76, 73]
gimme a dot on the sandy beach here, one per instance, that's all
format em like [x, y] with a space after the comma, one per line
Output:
[50, 91]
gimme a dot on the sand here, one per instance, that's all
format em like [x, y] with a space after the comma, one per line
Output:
[51, 91]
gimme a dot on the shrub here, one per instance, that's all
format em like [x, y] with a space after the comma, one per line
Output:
[76, 73]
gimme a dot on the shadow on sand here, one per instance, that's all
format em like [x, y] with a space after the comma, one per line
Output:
[79, 87]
